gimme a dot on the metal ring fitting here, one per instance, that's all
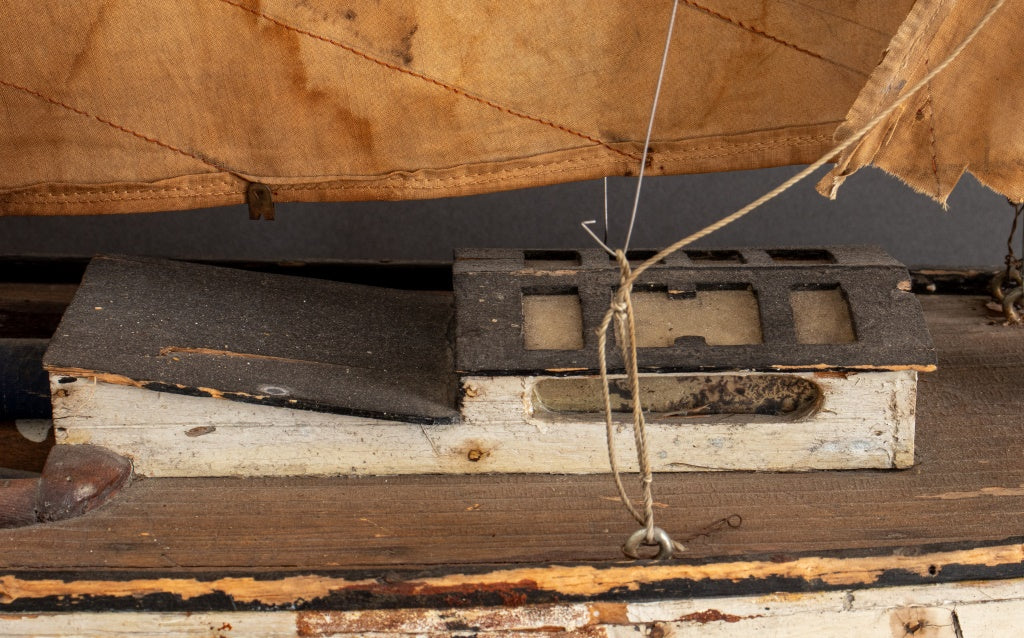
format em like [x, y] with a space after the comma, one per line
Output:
[1010, 301]
[661, 539]
[996, 286]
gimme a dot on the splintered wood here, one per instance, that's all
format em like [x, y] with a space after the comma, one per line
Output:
[952, 610]
[932, 551]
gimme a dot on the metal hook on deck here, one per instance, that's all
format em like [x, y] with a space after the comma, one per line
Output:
[666, 547]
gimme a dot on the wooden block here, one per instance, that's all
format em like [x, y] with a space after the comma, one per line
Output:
[167, 434]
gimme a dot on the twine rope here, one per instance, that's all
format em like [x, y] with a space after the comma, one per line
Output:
[1012, 262]
[621, 307]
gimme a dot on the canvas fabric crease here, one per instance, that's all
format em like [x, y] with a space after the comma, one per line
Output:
[966, 119]
[129, 106]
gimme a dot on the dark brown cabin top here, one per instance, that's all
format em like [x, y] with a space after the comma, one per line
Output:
[260, 338]
[495, 290]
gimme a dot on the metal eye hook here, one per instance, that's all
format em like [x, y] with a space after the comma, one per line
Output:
[997, 282]
[639, 537]
[1010, 301]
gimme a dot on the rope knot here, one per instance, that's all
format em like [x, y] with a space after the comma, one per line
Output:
[624, 269]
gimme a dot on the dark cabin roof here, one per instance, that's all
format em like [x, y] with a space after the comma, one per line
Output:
[887, 324]
[260, 338]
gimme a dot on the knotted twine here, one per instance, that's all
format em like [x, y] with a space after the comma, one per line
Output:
[621, 307]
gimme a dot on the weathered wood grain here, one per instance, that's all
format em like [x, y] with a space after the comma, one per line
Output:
[865, 420]
[967, 486]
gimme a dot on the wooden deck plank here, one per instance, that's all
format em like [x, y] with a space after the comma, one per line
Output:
[968, 485]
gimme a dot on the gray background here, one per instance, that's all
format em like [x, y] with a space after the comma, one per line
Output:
[872, 208]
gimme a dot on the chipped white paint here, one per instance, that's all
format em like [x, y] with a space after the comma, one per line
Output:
[165, 625]
[1003, 618]
[954, 610]
[865, 421]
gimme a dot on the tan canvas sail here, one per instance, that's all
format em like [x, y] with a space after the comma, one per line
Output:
[967, 118]
[128, 106]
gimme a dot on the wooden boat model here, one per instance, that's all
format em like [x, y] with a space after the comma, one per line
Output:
[134, 107]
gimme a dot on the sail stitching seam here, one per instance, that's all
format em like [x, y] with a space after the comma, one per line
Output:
[412, 184]
[57, 200]
[127, 191]
[110, 123]
[426, 78]
[686, 153]
[768, 36]
[454, 89]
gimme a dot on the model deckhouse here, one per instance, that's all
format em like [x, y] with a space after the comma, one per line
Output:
[839, 308]
[751, 360]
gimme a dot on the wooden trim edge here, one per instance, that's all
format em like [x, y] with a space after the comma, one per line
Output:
[502, 586]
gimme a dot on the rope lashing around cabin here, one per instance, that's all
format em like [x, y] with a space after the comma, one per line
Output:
[625, 335]
[621, 312]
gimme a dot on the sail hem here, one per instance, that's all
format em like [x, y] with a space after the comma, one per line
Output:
[757, 149]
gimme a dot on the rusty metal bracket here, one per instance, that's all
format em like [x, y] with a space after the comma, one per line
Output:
[75, 480]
